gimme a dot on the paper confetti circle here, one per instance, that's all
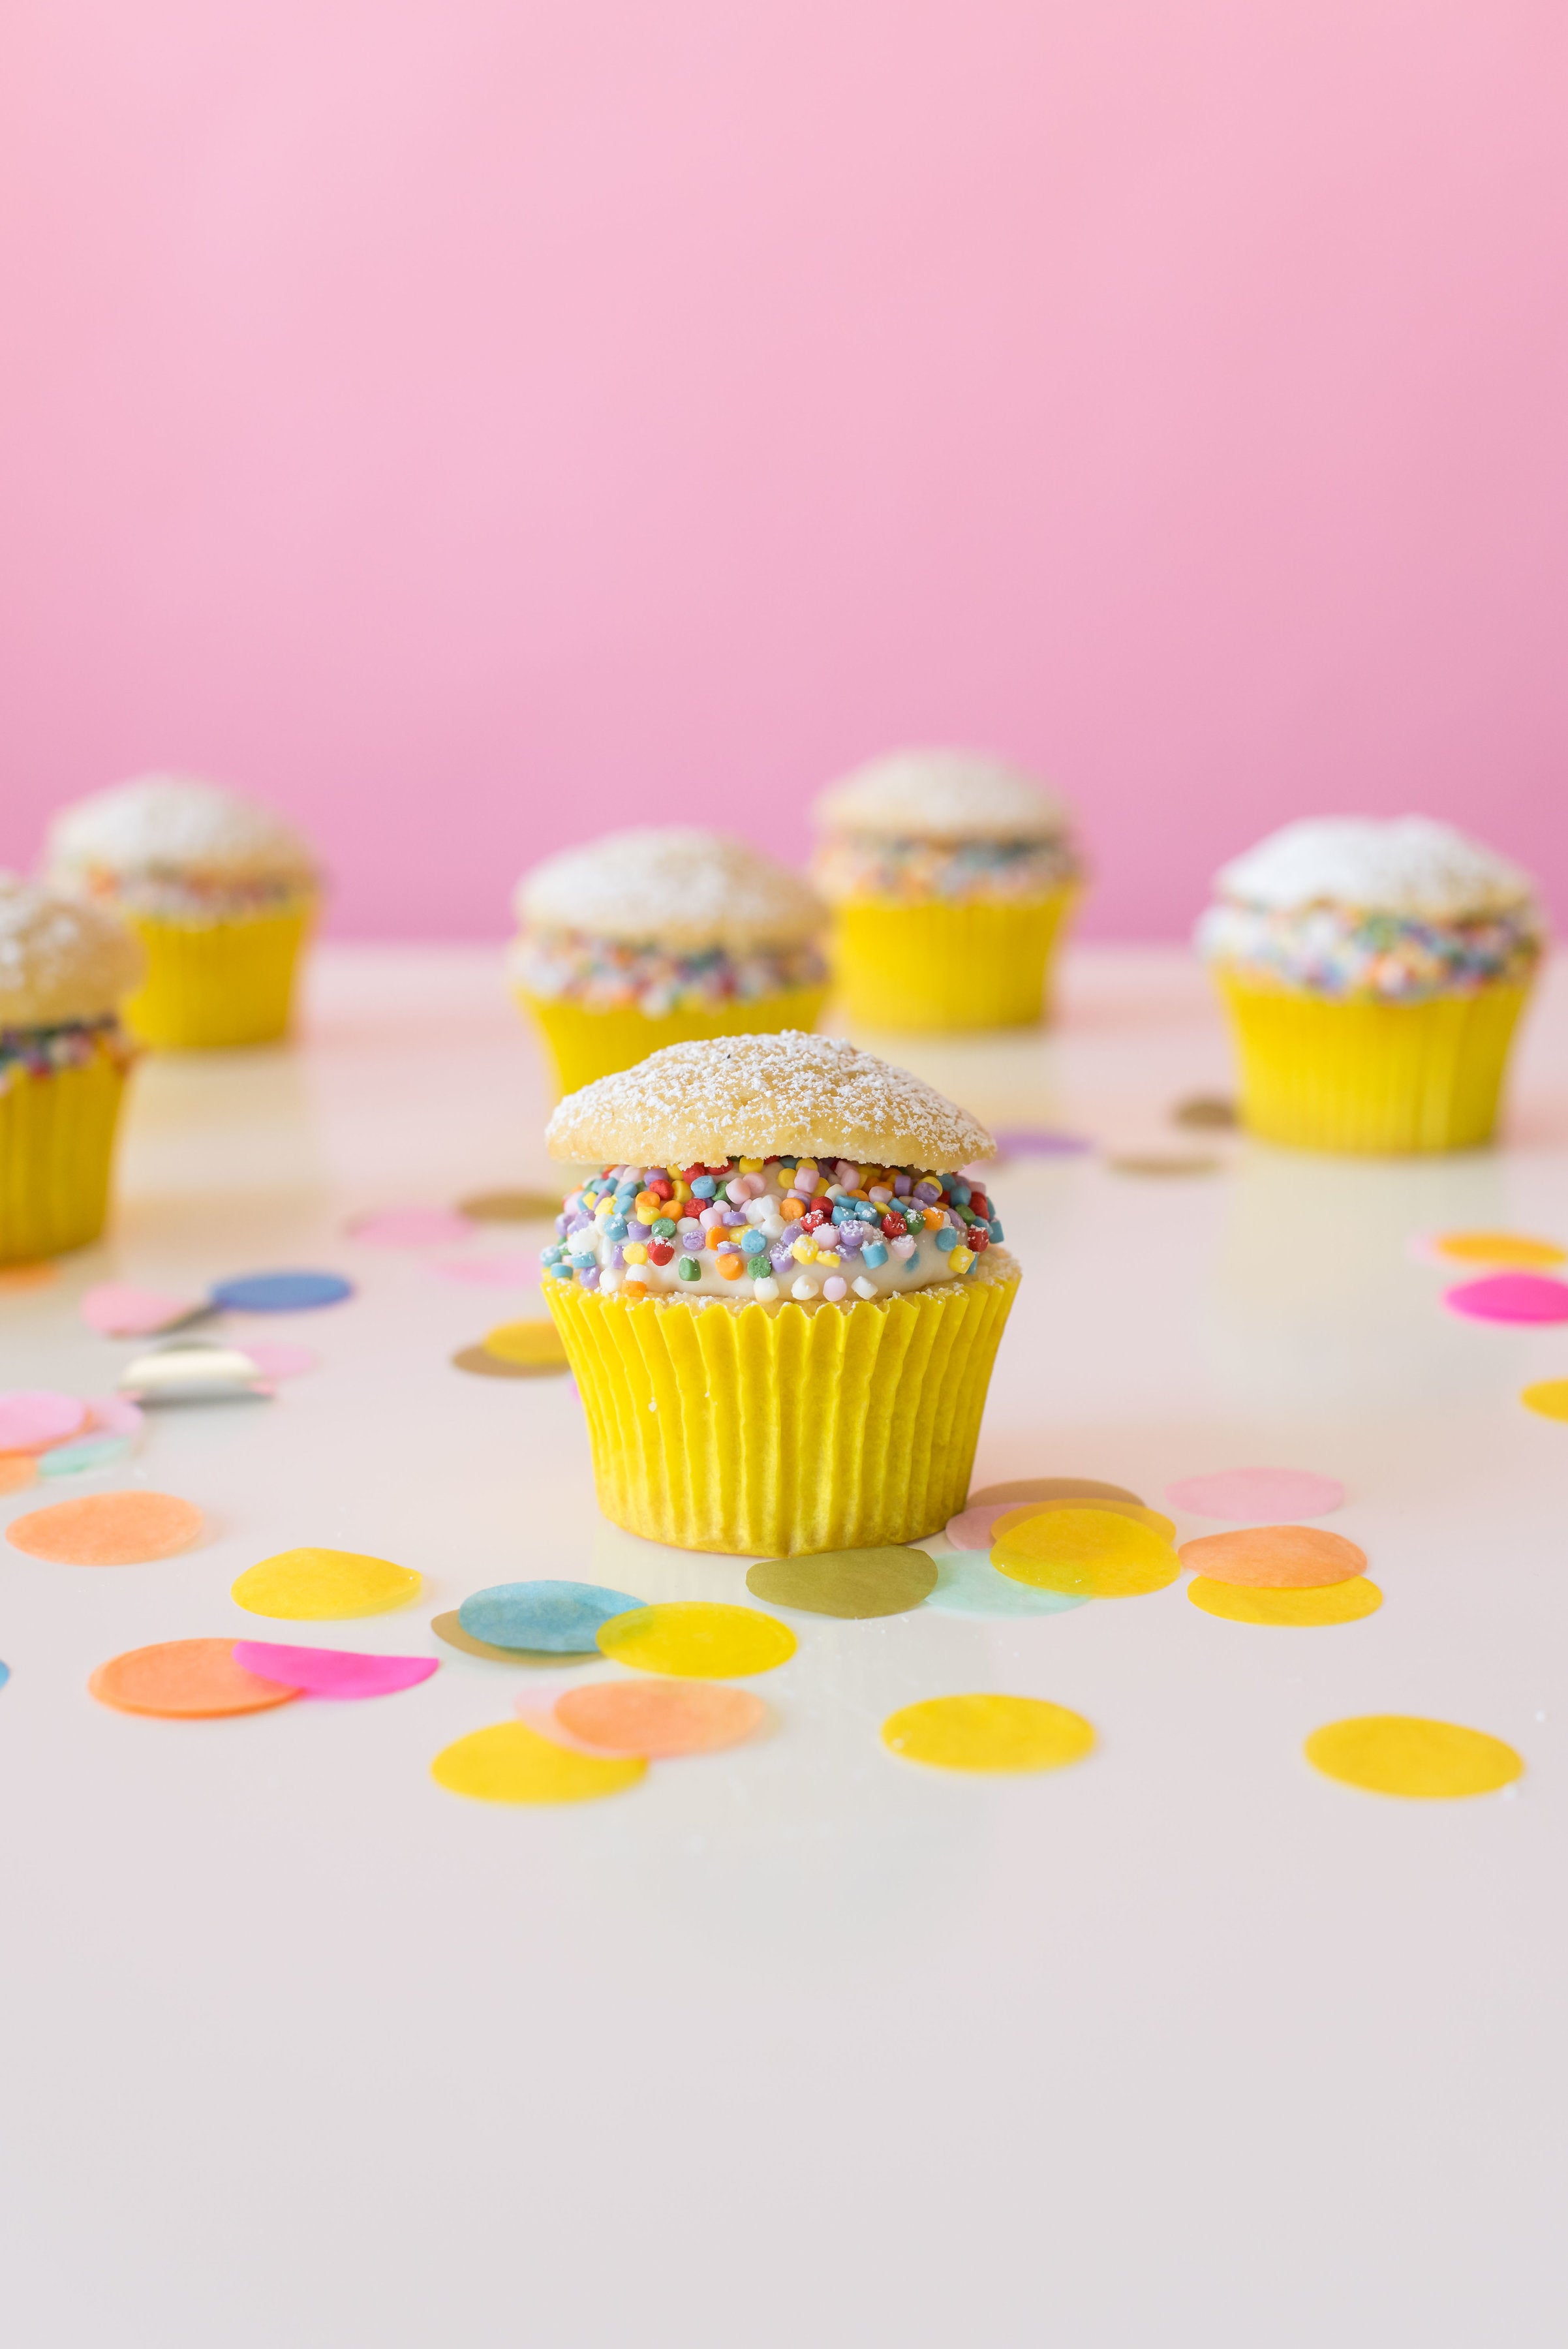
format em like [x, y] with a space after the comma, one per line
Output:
[1334, 1602]
[411, 1227]
[851, 1583]
[31, 1418]
[282, 1292]
[17, 1471]
[1275, 1558]
[696, 1639]
[448, 1628]
[114, 1309]
[324, 1586]
[564, 1618]
[1051, 1488]
[1089, 1552]
[1547, 1396]
[108, 1529]
[87, 1453]
[277, 1361]
[483, 1364]
[532, 1342]
[512, 1763]
[987, 1733]
[186, 1679]
[1253, 1494]
[660, 1719]
[511, 1206]
[1018, 1513]
[332, 1672]
[1400, 1753]
[969, 1585]
[1509, 1296]
[1513, 1249]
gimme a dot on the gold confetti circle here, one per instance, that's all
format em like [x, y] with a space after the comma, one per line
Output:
[512, 1763]
[850, 1583]
[987, 1733]
[1401, 1753]
[322, 1585]
[1087, 1552]
[1051, 1488]
[534, 1342]
[696, 1639]
[1241, 1602]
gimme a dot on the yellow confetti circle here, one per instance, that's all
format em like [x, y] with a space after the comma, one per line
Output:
[512, 1763]
[525, 1341]
[1133, 1510]
[698, 1640]
[1510, 1248]
[1332, 1602]
[318, 1585]
[1547, 1396]
[1087, 1552]
[1399, 1754]
[987, 1733]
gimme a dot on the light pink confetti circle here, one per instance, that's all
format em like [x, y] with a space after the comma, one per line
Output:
[412, 1227]
[117, 1311]
[282, 1361]
[32, 1418]
[332, 1672]
[1509, 1296]
[114, 1415]
[970, 1529]
[1257, 1496]
[492, 1271]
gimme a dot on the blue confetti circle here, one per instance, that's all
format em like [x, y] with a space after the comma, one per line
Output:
[559, 1618]
[281, 1292]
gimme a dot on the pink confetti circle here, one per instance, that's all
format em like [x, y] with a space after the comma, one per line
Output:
[1253, 1495]
[282, 1361]
[117, 1311]
[331, 1671]
[492, 1271]
[114, 1415]
[1509, 1296]
[412, 1227]
[970, 1529]
[32, 1418]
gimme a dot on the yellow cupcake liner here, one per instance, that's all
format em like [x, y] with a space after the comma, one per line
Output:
[56, 1148]
[583, 1044]
[937, 967]
[1373, 1077]
[775, 1431]
[211, 984]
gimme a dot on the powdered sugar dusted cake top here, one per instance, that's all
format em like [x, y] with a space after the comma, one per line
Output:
[1410, 865]
[60, 960]
[676, 887]
[942, 795]
[176, 825]
[754, 1096]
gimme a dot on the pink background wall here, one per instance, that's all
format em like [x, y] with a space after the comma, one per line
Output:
[475, 422]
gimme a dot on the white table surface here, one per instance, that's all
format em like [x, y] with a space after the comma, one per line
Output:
[799, 2044]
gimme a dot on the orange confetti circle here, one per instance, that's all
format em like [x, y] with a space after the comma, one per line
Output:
[1275, 1558]
[108, 1529]
[660, 1718]
[185, 1680]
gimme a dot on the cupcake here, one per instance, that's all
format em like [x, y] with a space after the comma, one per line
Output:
[950, 877]
[1373, 972]
[781, 1301]
[221, 891]
[64, 968]
[647, 938]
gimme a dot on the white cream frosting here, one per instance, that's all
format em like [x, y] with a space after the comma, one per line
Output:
[60, 959]
[1409, 865]
[942, 795]
[174, 824]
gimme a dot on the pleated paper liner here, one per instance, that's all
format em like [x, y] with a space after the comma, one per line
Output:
[939, 967]
[583, 1044]
[775, 1431]
[212, 984]
[1372, 1077]
[57, 1151]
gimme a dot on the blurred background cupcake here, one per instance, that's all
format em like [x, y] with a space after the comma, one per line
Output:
[950, 877]
[1374, 973]
[65, 967]
[221, 891]
[653, 938]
